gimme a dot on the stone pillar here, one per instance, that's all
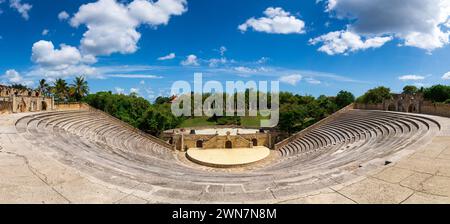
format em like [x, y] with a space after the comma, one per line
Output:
[269, 142]
[182, 142]
[53, 103]
[14, 104]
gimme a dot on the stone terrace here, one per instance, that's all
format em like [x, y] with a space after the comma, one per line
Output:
[359, 157]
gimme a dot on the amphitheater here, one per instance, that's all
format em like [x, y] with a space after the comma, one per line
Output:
[354, 156]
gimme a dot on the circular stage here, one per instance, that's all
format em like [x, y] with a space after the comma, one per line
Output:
[225, 158]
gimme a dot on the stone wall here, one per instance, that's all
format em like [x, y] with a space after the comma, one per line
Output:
[186, 141]
[362, 106]
[423, 107]
[19, 100]
[71, 106]
[22, 104]
[220, 142]
[439, 109]
[5, 105]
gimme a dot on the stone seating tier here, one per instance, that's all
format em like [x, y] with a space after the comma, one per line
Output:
[351, 145]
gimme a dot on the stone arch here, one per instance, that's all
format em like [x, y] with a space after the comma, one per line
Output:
[228, 144]
[391, 107]
[400, 107]
[43, 105]
[413, 108]
[255, 142]
[22, 106]
[199, 143]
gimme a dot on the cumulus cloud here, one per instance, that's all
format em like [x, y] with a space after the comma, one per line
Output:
[134, 90]
[119, 90]
[343, 42]
[313, 81]
[222, 50]
[214, 62]
[291, 79]
[13, 77]
[23, 9]
[411, 77]
[135, 76]
[446, 76]
[244, 69]
[417, 23]
[45, 32]
[276, 21]
[112, 25]
[63, 15]
[167, 57]
[62, 62]
[191, 60]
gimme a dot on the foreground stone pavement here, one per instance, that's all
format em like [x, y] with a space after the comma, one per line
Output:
[35, 167]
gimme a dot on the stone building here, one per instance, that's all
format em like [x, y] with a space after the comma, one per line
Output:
[410, 104]
[404, 103]
[17, 101]
[183, 139]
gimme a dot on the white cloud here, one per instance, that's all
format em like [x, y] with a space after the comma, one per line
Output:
[446, 76]
[135, 76]
[291, 79]
[63, 15]
[13, 77]
[222, 50]
[214, 62]
[112, 25]
[45, 32]
[23, 9]
[411, 77]
[190, 60]
[343, 42]
[418, 23]
[262, 60]
[63, 62]
[167, 57]
[276, 21]
[244, 69]
[134, 90]
[312, 81]
[119, 90]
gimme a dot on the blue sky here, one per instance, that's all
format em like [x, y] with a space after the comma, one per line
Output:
[312, 47]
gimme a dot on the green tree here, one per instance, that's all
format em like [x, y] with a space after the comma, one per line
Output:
[19, 86]
[127, 108]
[156, 119]
[79, 88]
[409, 89]
[162, 100]
[344, 98]
[375, 95]
[43, 87]
[437, 93]
[60, 90]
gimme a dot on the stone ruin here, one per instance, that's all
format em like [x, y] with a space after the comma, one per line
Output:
[23, 100]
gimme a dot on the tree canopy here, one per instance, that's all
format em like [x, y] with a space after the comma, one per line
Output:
[375, 95]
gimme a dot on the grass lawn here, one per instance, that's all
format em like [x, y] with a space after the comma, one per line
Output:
[251, 122]
[196, 122]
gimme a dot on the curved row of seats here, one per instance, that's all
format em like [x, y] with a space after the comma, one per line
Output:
[108, 149]
[356, 126]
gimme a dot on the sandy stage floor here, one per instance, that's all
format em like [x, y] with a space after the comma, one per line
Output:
[228, 157]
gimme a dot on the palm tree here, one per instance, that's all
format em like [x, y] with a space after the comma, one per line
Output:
[60, 89]
[43, 87]
[79, 88]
